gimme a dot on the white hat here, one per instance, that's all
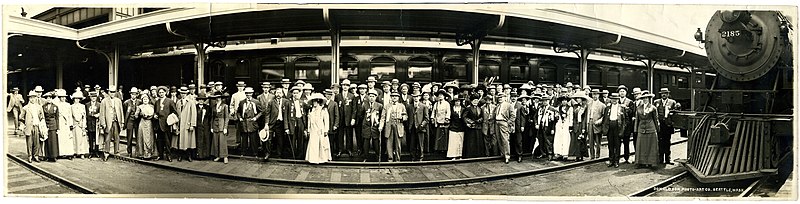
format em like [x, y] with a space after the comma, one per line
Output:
[77, 95]
[61, 93]
[134, 90]
[112, 88]
[315, 96]
[38, 89]
[248, 90]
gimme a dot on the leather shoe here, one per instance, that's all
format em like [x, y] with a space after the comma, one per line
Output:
[180, 158]
[168, 159]
[189, 159]
[506, 160]
[519, 160]
[616, 165]
[30, 160]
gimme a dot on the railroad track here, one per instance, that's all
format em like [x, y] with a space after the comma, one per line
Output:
[46, 179]
[684, 182]
[373, 185]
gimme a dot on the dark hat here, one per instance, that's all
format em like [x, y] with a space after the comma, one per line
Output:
[436, 84]
[334, 86]
[202, 95]
[173, 88]
[442, 92]
[192, 86]
[393, 94]
[480, 87]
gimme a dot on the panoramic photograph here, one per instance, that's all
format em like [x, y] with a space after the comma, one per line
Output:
[412, 101]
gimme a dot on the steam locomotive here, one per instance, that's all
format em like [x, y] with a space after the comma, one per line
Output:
[741, 127]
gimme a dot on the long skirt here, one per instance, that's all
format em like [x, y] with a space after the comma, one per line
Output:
[440, 144]
[473, 143]
[219, 145]
[203, 135]
[80, 141]
[562, 139]
[455, 144]
[319, 149]
[51, 145]
[66, 141]
[145, 140]
[575, 145]
[647, 149]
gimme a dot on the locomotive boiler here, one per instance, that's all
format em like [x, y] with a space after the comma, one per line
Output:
[741, 127]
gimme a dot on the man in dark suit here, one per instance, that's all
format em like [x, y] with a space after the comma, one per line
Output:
[164, 133]
[295, 123]
[614, 117]
[248, 111]
[275, 118]
[334, 118]
[357, 118]
[371, 124]
[665, 105]
[520, 124]
[629, 110]
[264, 100]
[131, 122]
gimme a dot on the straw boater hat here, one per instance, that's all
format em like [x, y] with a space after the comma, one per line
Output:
[192, 86]
[346, 82]
[308, 87]
[33, 93]
[77, 95]
[371, 79]
[393, 94]
[240, 84]
[525, 87]
[637, 90]
[353, 86]
[386, 83]
[622, 87]
[61, 93]
[595, 91]
[210, 84]
[219, 83]
[297, 87]
[328, 92]
[300, 82]
[317, 96]
[581, 94]
[265, 84]
[436, 84]
[134, 90]
[112, 88]
[183, 90]
[604, 92]
[372, 92]
[364, 86]
[614, 96]
[248, 90]
[285, 81]
[452, 84]
[395, 81]
[416, 85]
[663, 90]
[39, 89]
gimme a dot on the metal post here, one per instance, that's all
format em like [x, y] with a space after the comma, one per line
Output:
[113, 68]
[584, 66]
[335, 55]
[650, 68]
[691, 87]
[476, 51]
[200, 59]
[59, 71]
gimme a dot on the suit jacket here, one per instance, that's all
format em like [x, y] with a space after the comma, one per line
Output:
[249, 117]
[521, 119]
[32, 115]
[371, 120]
[620, 118]
[15, 101]
[220, 116]
[546, 119]
[350, 106]
[51, 116]
[596, 114]
[275, 107]
[394, 114]
[421, 116]
[662, 106]
[333, 116]
[489, 123]
[264, 100]
[109, 109]
[92, 116]
[164, 107]
[507, 112]
[474, 118]
[290, 120]
[130, 109]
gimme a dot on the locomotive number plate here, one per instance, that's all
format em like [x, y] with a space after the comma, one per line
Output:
[730, 33]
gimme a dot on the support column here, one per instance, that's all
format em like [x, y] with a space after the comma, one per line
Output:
[691, 87]
[476, 58]
[59, 71]
[584, 66]
[113, 67]
[650, 68]
[335, 55]
[200, 60]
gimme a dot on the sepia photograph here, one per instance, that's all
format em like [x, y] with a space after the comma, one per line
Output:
[476, 100]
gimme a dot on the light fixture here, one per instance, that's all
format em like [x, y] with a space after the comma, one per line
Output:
[698, 35]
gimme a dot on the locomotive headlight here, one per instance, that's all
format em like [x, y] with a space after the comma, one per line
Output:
[699, 36]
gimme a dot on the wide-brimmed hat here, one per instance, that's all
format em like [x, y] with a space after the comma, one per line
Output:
[581, 94]
[265, 84]
[442, 91]
[427, 88]
[285, 81]
[183, 89]
[61, 93]
[576, 86]
[594, 91]
[164, 88]
[663, 90]
[112, 88]
[416, 85]
[371, 79]
[452, 84]
[134, 90]
[346, 82]
[403, 85]
[38, 89]
[614, 96]
[646, 95]
[372, 92]
[201, 95]
[525, 87]
[637, 90]
[436, 84]
[536, 96]
[33, 93]
[240, 84]
[317, 96]
[506, 86]
[523, 96]
[308, 87]
[248, 90]
[77, 95]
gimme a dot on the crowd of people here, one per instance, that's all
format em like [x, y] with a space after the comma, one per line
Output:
[362, 121]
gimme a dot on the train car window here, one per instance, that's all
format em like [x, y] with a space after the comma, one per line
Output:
[273, 68]
[547, 72]
[664, 79]
[683, 82]
[674, 83]
[306, 68]
[643, 83]
[241, 69]
[520, 70]
[488, 68]
[613, 76]
[420, 69]
[454, 69]
[383, 67]
[572, 74]
[348, 69]
[594, 75]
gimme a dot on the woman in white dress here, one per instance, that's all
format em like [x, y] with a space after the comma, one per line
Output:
[562, 135]
[66, 141]
[319, 147]
[145, 135]
[81, 139]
